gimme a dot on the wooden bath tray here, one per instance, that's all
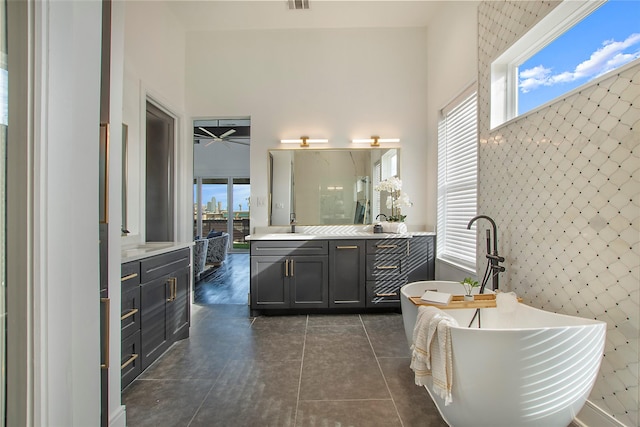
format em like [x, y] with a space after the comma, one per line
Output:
[457, 301]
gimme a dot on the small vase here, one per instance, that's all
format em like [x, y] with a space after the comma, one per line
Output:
[468, 297]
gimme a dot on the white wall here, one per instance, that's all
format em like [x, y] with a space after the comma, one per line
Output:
[452, 66]
[336, 84]
[155, 67]
[53, 245]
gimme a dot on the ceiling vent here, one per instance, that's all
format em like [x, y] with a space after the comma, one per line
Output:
[298, 4]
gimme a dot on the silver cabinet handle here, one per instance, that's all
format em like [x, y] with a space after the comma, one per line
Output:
[347, 247]
[386, 267]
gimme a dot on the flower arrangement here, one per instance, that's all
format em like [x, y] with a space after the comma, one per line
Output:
[396, 198]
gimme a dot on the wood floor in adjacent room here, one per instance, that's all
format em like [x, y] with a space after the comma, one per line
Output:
[315, 370]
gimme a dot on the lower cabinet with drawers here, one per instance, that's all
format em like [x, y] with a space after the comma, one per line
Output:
[155, 309]
[333, 274]
[386, 271]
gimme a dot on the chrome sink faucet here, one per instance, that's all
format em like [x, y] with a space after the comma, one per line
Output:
[292, 221]
[493, 258]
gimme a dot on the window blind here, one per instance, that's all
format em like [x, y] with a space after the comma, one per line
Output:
[457, 179]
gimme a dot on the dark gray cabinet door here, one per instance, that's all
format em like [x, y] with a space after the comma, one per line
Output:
[347, 273]
[421, 263]
[269, 287]
[153, 326]
[308, 281]
[178, 308]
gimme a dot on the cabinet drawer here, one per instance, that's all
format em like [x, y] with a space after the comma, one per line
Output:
[130, 316]
[130, 363]
[290, 247]
[383, 292]
[387, 246]
[385, 267]
[129, 275]
[162, 265]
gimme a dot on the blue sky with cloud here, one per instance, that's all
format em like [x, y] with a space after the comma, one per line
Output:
[603, 41]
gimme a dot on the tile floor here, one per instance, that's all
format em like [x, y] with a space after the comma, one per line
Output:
[316, 370]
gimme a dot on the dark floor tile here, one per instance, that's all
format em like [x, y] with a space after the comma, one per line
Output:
[283, 324]
[337, 343]
[187, 359]
[386, 332]
[334, 319]
[212, 325]
[359, 413]
[268, 345]
[225, 310]
[252, 393]
[325, 379]
[163, 402]
[414, 404]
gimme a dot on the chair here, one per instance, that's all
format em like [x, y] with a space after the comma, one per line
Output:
[217, 249]
[199, 257]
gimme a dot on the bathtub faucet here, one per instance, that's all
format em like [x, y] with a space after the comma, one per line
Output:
[493, 258]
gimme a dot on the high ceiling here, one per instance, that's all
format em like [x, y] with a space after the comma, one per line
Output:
[221, 15]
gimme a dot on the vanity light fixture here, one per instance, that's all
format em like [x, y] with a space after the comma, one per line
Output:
[375, 141]
[304, 141]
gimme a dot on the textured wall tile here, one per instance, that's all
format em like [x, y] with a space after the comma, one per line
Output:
[563, 185]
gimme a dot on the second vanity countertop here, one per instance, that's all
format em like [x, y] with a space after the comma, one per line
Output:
[144, 250]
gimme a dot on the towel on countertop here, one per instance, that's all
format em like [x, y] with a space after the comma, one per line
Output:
[432, 350]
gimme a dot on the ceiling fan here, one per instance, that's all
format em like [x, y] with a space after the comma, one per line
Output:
[210, 137]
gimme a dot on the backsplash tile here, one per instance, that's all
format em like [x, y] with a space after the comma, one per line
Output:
[563, 185]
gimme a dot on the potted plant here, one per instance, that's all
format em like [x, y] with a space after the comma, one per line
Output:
[396, 198]
[468, 284]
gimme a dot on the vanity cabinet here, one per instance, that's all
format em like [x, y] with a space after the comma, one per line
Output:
[155, 309]
[289, 275]
[130, 322]
[164, 302]
[341, 273]
[386, 271]
[347, 278]
[421, 262]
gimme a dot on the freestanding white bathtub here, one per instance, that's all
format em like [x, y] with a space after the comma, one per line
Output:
[528, 367]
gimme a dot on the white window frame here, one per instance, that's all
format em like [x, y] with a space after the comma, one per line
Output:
[458, 151]
[504, 70]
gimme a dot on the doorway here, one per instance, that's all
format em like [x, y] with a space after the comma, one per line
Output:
[221, 194]
[159, 189]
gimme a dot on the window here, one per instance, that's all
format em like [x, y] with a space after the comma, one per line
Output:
[222, 204]
[573, 45]
[457, 179]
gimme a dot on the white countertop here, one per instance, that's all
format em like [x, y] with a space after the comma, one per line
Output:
[144, 250]
[335, 236]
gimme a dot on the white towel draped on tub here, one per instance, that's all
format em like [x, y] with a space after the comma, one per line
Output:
[432, 350]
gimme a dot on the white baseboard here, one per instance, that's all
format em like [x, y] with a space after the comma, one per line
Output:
[119, 417]
[592, 416]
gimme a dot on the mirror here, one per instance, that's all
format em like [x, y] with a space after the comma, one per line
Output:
[329, 187]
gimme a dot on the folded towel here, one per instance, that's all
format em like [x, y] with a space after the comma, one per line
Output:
[432, 350]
